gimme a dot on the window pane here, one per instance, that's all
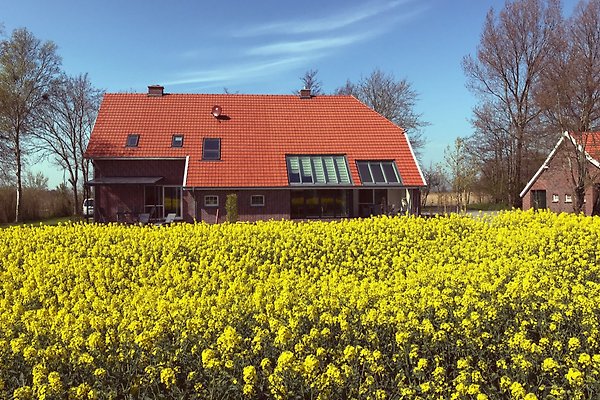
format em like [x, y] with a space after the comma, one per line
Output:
[342, 169]
[211, 149]
[257, 200]
[172, 200]
[177, 141]
[293, 170]
[319, 170]
[390, 172]
[306, 170]
[377, 173]
[330, 169]
[211, 201]
[365, 174]
[365, 196]
[132, 140]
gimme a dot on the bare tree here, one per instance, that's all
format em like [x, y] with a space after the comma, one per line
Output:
[310, 81]
[435, 177]
[461, 172]
[570, 90]
[513, 51]
[28, 68]
[393, 99]
[65, 127]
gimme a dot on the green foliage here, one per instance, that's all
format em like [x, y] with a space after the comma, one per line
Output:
[231, 207]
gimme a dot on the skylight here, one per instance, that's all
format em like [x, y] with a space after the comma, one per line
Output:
[132, 140]
[211, 149]
[177, 141]
[378, 172]
[318, 170]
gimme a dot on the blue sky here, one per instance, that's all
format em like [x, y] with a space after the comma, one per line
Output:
[265, 46]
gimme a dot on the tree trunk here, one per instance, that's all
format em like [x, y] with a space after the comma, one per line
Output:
[19, 185]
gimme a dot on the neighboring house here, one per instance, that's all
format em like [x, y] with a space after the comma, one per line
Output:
[285, 156]
[552, 185]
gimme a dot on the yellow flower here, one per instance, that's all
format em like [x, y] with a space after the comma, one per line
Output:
[574, 377]
[167, 377]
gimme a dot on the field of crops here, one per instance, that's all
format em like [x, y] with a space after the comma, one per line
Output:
[383, 308]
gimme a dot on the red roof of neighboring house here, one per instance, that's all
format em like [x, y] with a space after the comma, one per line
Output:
[590, 141]
[256, 133]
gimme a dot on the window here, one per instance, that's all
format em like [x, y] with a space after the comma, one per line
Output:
[177, 141]
[378, 172]
[211, 201]
[568, 198]
[318, 170]
[211, 149]
[132, 140]
[538, 199]
[257, 200]
[320, 203]
[555, 198]
[162, 200]
[172, 200]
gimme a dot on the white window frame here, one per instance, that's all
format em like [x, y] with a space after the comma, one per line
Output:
[555, 198]
[568, 198]
[262, 203]
[211, 196]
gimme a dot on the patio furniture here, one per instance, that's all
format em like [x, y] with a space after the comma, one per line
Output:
[169, 219]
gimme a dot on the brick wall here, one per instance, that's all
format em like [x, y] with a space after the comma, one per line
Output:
[556, 180]
[277, 205]
[122, 202]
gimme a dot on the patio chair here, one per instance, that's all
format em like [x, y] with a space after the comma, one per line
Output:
[169, 219]
[144, 218]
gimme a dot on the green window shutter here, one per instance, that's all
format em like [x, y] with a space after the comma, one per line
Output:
[319, 170]
[342, 168]
[330, 169]
[306, 169]
[294, 165]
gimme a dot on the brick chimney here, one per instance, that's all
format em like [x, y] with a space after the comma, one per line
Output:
[305, 93]
[156, 91]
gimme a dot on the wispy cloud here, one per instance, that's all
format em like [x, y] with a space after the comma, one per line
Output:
[306, 46]
[326, 24]
[235, 72]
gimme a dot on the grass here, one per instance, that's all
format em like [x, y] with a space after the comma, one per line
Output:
[49, 221]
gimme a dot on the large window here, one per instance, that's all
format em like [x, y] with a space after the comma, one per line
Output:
[162, 200]
[325, 203]
[538, 199]
[378, 172]
[172, 200]
[318, 170]
[371, 201]
[211, 149]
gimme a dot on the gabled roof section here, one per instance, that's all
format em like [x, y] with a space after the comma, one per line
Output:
[590, 141]
[256, 133]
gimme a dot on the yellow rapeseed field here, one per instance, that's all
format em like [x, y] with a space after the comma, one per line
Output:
[382, 308]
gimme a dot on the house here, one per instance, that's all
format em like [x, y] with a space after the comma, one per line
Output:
[552, 185]
[285, 156]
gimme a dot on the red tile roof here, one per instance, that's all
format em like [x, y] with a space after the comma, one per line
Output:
[590, 142]
[256, 132]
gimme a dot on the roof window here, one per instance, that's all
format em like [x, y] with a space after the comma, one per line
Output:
[318, 170]
[132, 140]
[177, 141]
[211, 149]
[378, 172]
